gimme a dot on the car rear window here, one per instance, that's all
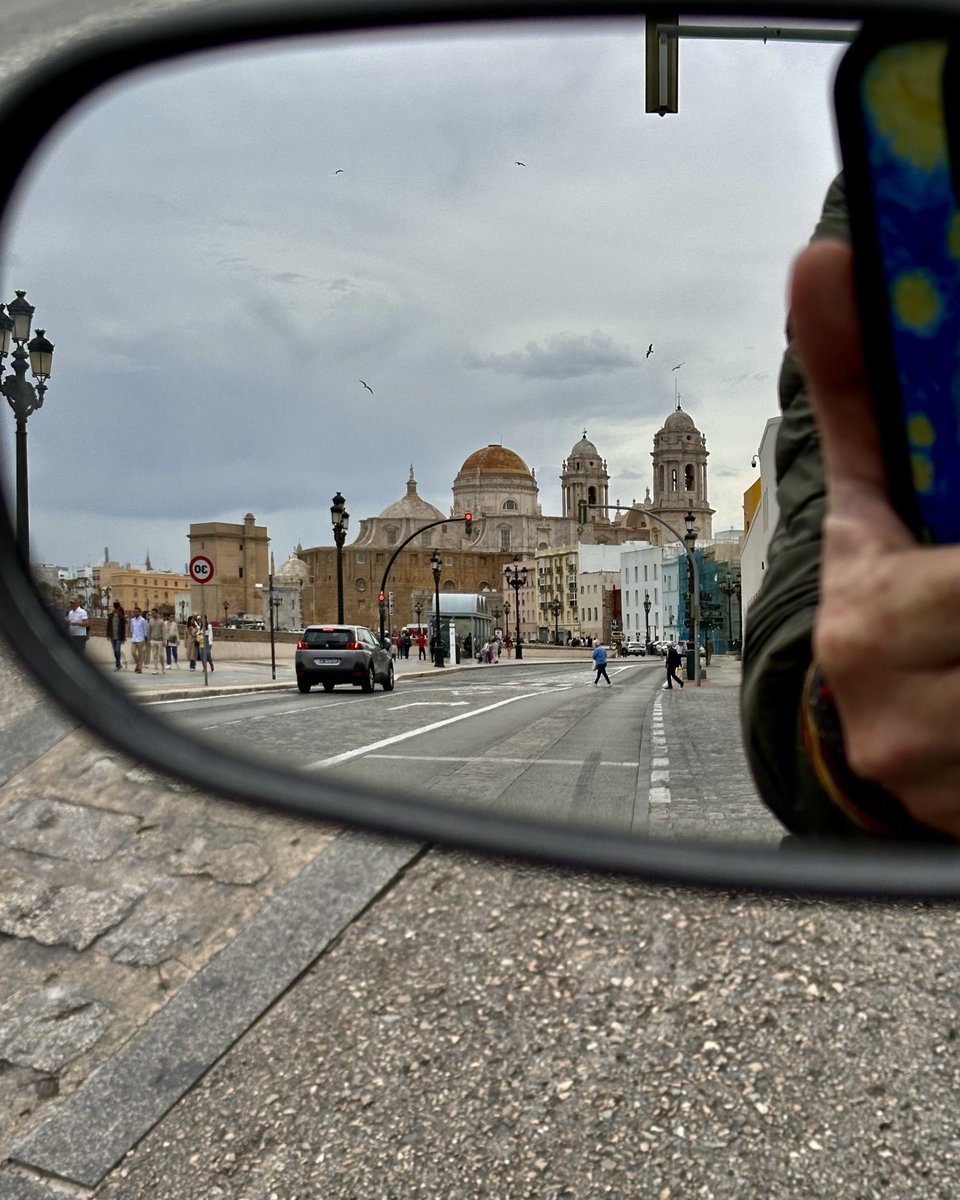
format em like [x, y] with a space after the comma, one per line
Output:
[328, 639]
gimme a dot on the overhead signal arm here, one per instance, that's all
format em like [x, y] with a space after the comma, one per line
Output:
[662, 42]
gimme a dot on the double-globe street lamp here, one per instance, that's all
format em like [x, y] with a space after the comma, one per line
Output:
[646, 616]
[436, 565]
[516, 577]
[556, 607]
[729, 584]
[340, 520]
[23, 398]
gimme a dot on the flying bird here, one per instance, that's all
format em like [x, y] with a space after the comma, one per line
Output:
[678, 366]
[519, 163]
[649, 349]
[366, 385]
[339, 172]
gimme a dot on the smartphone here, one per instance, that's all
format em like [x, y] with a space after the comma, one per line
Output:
[896, 104]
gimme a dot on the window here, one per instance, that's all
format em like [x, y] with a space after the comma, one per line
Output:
[688, 472]
[504, 539]
[240, 575]
[510, 505]
[674, 479]
[391, 535]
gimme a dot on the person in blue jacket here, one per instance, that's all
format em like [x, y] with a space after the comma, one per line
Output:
[600, 662]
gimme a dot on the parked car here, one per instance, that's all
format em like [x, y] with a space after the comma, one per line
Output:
[332, 654]
[636, 648]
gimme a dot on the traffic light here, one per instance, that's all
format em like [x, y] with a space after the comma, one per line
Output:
[390, 603]
[467, 523]
[581, 512]
[381, 597]
[661, 63]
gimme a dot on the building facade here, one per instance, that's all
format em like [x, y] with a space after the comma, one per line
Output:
[239, 554]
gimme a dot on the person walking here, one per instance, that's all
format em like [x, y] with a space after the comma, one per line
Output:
[171, 641]
[155, 638]
[600, 662]
[78, 625]
[117, 632]
[138, 640]
[674, 660]
[422, 646]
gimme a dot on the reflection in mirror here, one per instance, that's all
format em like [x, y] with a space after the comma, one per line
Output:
[449, 316]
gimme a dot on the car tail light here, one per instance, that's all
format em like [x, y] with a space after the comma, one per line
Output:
[352, 646]
[303, 645]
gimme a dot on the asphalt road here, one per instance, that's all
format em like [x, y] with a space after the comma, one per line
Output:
[540, 740]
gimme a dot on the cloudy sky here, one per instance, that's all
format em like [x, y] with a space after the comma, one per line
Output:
[221, 252]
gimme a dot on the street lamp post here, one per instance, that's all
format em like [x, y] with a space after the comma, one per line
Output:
[516, 577]
[646, 615]
[417, 610]
[226, 609]
[436, 565]
[690, 538]
[273, 647]
[729, 584]
[340, 519]
[556, 607]
[23, 398]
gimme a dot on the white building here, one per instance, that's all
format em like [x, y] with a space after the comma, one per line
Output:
[641, 578]
[756, 542]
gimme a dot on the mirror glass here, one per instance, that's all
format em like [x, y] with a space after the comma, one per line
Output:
[432, 275]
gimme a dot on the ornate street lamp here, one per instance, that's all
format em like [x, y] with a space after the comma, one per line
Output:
[729, 584]
[690, 538]
[556, 607]
[516, 577]
[436, 565]
[23, 398]
[417, 610]
[340, 520]
[226, 609]
[646, 615]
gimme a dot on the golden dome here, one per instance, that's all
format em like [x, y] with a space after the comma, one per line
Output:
[495, 459]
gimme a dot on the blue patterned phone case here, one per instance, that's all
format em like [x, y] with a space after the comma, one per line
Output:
[895, 139]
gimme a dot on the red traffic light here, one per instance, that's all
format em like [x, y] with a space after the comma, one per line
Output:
[381, 597]
[467, 521]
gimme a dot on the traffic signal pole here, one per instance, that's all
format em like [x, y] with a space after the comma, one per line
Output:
[467, 519]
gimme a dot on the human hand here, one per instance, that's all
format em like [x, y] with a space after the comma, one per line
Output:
[887, 634]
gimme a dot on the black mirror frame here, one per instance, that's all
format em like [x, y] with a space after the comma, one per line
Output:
[28, 112]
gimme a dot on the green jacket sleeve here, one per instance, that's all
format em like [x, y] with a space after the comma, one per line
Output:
[779, 690]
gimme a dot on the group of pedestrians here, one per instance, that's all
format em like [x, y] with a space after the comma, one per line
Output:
[153, 639]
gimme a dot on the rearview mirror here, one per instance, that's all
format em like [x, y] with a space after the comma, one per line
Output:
[427, 274]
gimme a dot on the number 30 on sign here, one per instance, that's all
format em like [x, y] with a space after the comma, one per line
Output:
[201, 569]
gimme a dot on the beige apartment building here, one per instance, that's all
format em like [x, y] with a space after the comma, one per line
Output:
[142, 587]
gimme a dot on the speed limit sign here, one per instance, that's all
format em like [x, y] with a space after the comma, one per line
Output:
[201, 569]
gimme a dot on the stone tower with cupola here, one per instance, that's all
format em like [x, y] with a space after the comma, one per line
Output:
[584, 478]
[680, 476]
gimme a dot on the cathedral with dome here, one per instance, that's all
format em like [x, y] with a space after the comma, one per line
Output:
[501, 493]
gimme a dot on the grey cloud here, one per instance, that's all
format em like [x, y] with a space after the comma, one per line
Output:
[563, 356]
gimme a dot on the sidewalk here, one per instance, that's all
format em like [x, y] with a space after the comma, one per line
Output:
[145, 927]
[233, 676]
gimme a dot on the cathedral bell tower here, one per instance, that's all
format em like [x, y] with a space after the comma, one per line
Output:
[585, 478]
[680, 475]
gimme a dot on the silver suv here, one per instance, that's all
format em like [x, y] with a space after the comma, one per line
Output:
[332, 654]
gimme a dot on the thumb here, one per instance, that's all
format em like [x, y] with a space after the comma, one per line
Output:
[827, 341]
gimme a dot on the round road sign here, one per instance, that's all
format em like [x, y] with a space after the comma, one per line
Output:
[201, 569]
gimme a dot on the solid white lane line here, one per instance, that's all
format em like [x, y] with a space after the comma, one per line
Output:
[403, 737]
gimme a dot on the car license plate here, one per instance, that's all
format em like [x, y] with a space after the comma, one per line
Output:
[326, 662]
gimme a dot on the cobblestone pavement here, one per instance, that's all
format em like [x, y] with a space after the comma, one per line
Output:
[124, 898]
[700, 784]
